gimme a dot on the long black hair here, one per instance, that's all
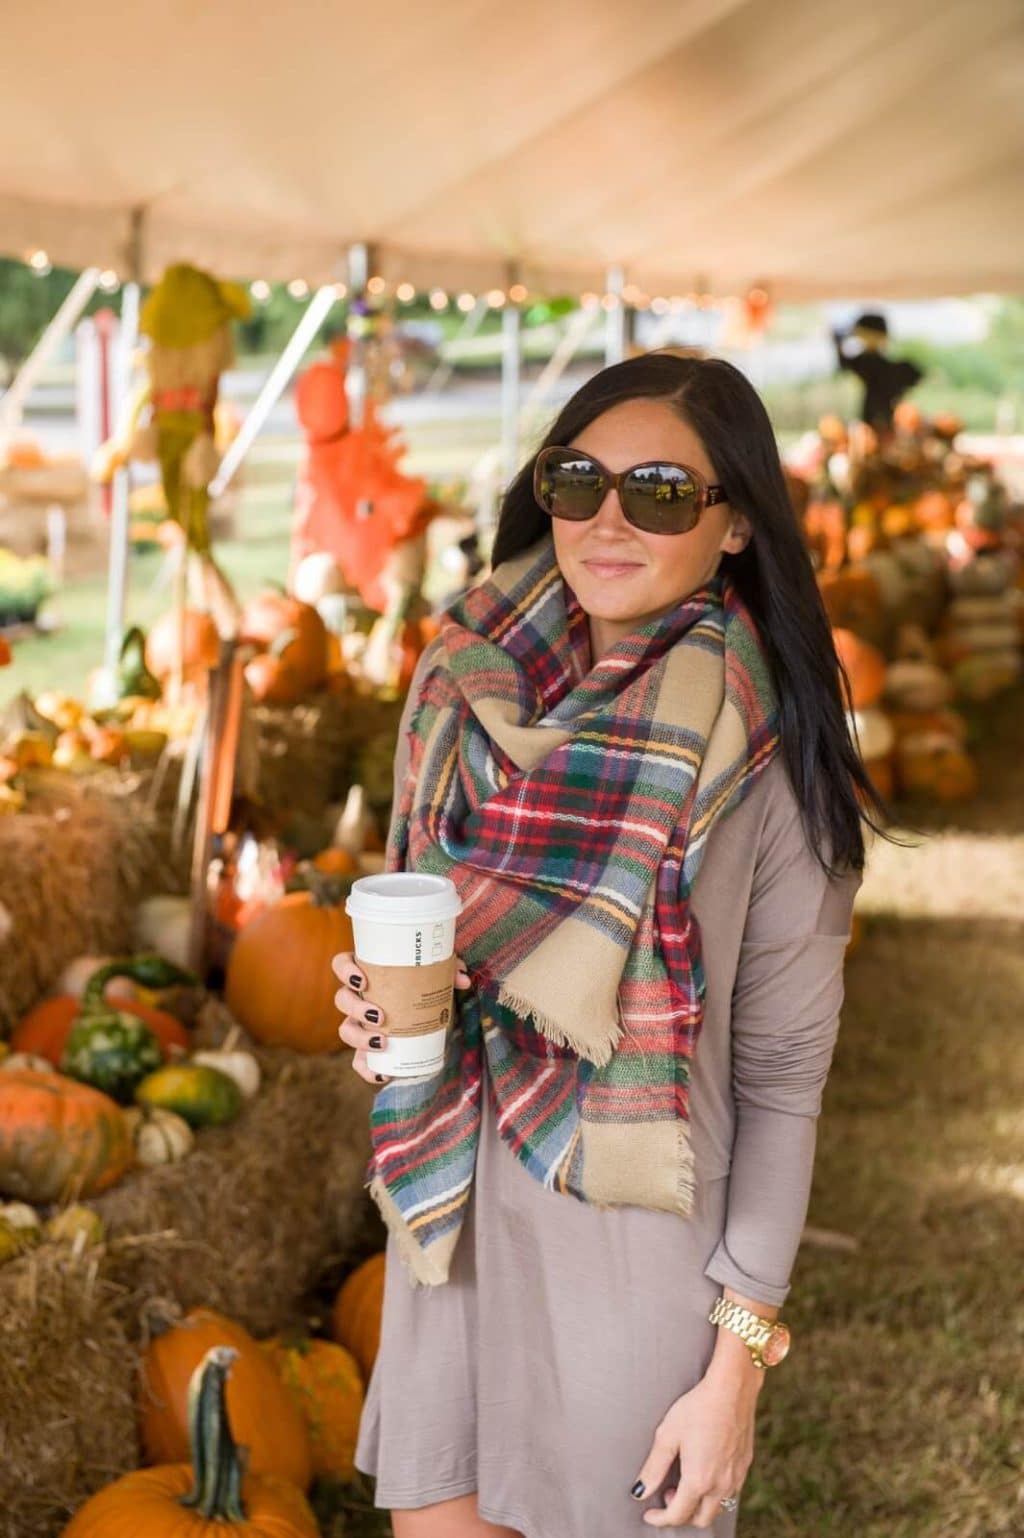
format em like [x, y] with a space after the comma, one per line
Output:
[773, 575]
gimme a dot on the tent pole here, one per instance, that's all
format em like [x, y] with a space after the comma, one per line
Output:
[358, 261]
[615, 324]
[309, 324]
[13, 403]
[117, 567]
[511, 379]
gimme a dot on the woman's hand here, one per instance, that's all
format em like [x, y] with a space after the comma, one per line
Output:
[363, 1025]
[711, 1431]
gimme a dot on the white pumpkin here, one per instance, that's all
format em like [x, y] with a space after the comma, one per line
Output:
[21, 1219]
[874, 733]
[18, 1060]
[233, 1061]
[315, 576]
[75, 978]
[163, 924]
[159, 1136]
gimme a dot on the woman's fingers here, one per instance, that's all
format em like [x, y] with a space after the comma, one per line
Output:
[462, 977]
[346, 969]
[376, 1079]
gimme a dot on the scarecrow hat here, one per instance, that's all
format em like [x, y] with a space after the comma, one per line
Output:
[188, 306]
[872, 321]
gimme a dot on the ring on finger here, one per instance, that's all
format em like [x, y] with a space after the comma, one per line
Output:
[729, 1502]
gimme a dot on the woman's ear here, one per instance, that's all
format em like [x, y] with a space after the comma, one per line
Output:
[739, 533]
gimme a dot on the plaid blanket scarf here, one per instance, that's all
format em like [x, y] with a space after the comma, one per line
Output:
[570, 803]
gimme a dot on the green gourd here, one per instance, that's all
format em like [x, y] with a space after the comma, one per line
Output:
[112, 1051]
[202, 1096]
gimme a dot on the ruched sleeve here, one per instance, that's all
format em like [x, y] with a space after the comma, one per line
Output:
[785, 1016]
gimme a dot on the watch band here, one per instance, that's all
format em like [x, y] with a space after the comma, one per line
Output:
[754, 1331]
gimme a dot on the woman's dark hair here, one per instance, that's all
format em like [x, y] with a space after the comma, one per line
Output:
[773, 575]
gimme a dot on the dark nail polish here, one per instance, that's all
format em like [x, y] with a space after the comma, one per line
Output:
[355, 981]
[638, 1489]
[375, 1043]
[379, 1077]
[373, 1015]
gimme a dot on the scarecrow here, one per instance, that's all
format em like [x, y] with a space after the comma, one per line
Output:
[187, 317]
[885, 379]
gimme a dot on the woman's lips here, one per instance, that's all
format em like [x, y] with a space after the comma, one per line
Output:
[606, 568]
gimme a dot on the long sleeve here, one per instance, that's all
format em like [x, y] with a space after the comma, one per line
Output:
[785, 1017]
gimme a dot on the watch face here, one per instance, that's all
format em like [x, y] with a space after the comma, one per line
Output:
[776, 1347]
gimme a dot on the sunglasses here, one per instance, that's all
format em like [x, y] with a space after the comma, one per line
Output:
[658, 497]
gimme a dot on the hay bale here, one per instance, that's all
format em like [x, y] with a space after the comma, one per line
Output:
[71, 869]
[252, 1218]
[67, 1388]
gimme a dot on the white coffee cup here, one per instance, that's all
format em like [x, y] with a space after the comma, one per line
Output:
[404, 928]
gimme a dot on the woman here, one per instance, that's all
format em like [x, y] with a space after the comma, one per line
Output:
[628, 749]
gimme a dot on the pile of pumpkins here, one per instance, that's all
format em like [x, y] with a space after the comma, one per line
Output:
[910, 738]
[101, 1078]
[207, 1386]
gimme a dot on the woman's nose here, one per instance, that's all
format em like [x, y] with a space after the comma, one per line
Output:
[610, 515]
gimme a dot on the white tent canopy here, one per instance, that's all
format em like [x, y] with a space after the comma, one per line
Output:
[819, 147]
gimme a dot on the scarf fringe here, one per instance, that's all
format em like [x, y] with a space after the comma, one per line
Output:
[526, 1009]
[421, 1269]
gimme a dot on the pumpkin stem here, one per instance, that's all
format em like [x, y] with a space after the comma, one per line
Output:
[326, 890]
[216, 1493]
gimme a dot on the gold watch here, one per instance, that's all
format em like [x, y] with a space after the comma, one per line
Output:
[767, 1340]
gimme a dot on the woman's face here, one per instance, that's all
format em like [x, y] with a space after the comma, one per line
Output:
[624, 576]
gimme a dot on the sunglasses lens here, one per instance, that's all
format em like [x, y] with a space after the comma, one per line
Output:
[662, 499]
[568, 485]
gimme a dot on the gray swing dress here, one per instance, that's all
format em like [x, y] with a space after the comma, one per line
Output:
[537, 1374]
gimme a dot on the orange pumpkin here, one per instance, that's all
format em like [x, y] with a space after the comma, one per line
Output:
[356, 1315]
[45, 1029]
[336, 861]
[279, 984]
[58, 1138]
[262, 1413]
[865, 668]
[942, 770]
[273, 680]
[200, 645]
[211, 1495]
[272, 617]
[327, 1387]
[853, 601]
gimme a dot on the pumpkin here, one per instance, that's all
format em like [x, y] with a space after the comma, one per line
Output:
[356, 1315]
[111, 1051]
[22, 1220]
[58, 1137]
[239, 1065]
[279, 980]
[15, 1061]
[76, 1225]
[274, 680]
[911, 685]
[865, 667]
[200, 644]
[325, 1382]
[45, 1030]
[78, 973]
[158, 1136]
[204, 1096]
[209, 1495]
[936, 767]
[263, 1414]
[271, 616]
[164, 923]
[853, 602]
[336, 861]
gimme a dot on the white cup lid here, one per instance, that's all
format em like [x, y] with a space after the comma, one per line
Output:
[402, 897]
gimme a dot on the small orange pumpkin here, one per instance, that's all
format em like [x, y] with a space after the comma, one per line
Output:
[58, 1138]
[357, 1311]
[336, 861]
[279, 983]
[200, 644]
[865, 668]
[325, 1382]
[262, 1413]
[272, 616]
